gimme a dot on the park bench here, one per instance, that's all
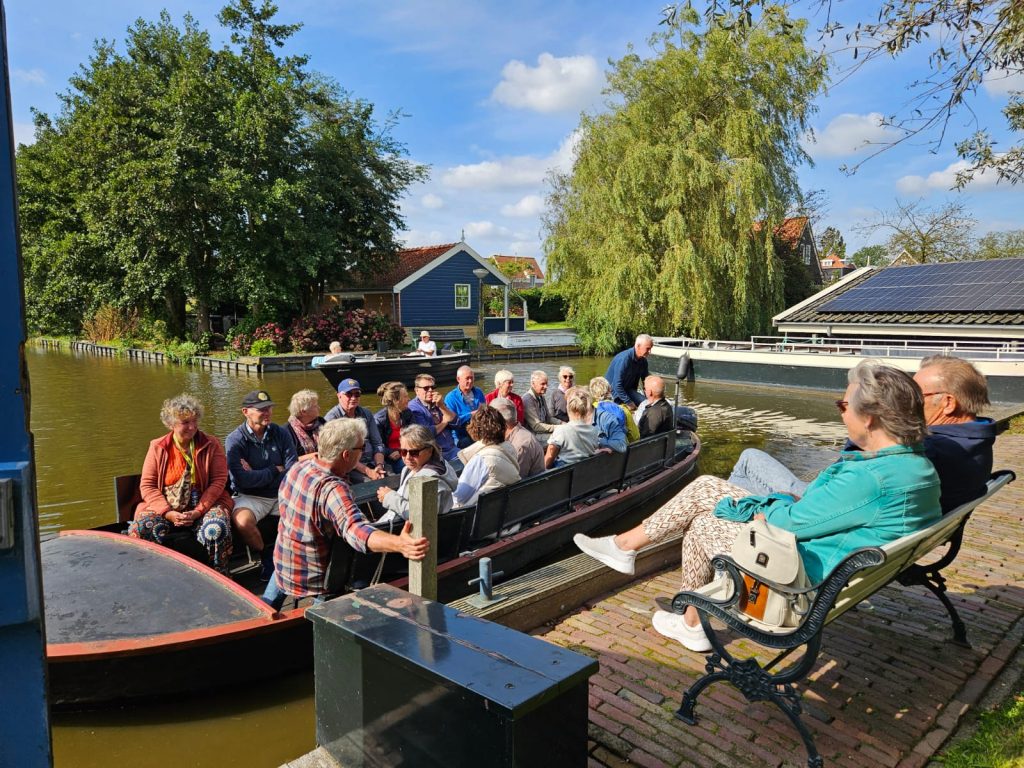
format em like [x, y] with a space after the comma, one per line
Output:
[861, 574]
[445, 338]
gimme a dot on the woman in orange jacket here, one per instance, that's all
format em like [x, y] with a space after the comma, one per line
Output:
[184, 484]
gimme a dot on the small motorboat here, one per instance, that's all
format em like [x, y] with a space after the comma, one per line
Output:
[372, 370]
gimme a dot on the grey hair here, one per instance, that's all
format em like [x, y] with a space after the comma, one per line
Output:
[961, 380]
[643, 338]
[566, 369]
[421, 437]
[462, 369]
[538, 375]
[502, 376]
[334, 347]
[179, 408]
[302, 400]
[600, 388]
[577, 401]
[340, 435]
[891, 397]
[506, 408]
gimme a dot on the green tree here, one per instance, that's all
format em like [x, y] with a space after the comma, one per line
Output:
[664, 224]
[176, 174]
[871, 256]
[1001, 245]
[831, 242]
[929, 234]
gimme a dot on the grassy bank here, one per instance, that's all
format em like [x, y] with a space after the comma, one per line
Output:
[998, 742]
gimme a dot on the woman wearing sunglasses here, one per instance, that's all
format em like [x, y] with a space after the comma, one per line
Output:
[886, 490]
[422, 458]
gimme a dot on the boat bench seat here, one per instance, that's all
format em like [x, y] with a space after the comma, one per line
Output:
[647, 456]
[596, 474]
[860, 575]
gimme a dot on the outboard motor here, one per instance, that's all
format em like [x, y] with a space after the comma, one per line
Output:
[686, 418]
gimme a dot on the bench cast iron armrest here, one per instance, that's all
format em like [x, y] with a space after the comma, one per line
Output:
[822, 597]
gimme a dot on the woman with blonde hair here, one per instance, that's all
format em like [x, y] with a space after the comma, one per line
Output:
[391, 419]
[304, 423]
[184, 484]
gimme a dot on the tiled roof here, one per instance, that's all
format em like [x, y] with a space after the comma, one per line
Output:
[788, 232]
[810, 313]
[408, 260]
[525, 262]
[834, 262]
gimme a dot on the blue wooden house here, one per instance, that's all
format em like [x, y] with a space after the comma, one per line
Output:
[433, 287]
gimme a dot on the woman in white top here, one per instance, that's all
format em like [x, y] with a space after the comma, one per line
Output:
[426, 346]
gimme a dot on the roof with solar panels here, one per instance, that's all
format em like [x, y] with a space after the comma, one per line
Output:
[963, 293]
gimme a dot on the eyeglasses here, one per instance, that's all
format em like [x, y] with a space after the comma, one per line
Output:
[426, 388]
[412, 451]
[352, 393]
[842, 405]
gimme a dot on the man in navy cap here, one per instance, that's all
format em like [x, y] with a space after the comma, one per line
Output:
[259, 453]
[371, 463]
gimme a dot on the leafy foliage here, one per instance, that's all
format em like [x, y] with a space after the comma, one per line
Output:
[664, 224]
[356, 329]
[109, 323]
[177, 172]
[831, 242]
[871, 256]
[544, 308]
[1001, 245]
[263, 348]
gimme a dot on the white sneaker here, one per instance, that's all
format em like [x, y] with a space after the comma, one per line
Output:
[606, 551]
[672, 625]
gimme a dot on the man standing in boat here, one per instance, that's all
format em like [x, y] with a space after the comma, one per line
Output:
[627, 370]
[316, 505]
[259, 453]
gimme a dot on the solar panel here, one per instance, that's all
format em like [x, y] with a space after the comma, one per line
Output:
[964, 286]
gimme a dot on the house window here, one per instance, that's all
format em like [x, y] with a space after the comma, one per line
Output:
[462, 296]
[807, 254]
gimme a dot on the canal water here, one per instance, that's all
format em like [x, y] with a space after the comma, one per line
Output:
[93, 418]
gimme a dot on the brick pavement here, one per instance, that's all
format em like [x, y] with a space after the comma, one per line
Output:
[888, 688]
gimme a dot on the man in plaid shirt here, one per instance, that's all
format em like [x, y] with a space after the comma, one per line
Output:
[316, 505]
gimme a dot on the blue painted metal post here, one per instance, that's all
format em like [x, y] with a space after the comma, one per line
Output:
[24, 723]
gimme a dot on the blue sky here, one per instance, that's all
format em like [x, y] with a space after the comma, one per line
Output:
[493, 92]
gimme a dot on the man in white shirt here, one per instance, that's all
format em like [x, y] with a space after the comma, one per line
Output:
[426, 346]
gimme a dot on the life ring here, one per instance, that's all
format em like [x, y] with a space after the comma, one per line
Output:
[685, 368]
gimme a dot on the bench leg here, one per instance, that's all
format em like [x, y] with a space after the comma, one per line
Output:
[756, 684]
[935, 582]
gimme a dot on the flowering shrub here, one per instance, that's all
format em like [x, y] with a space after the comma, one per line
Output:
[271, 332]
[262, 348]
[356, 329]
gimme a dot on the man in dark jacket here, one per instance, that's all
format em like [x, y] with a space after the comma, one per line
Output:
[658, 415]
[959, 442]
[627, 369]
[260, 452]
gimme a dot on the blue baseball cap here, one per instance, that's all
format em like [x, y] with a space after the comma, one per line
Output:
[347, 385]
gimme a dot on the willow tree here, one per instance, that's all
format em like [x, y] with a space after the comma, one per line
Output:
[665, 222]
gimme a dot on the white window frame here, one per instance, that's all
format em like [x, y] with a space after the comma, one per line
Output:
[469, 296]
[807, 254]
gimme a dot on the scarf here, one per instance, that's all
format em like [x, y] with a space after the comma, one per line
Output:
[306, 436]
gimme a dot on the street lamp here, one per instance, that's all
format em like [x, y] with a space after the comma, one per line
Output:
[480, 273]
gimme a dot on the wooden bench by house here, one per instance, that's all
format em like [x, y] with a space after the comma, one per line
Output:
[860, 575]
[445, 337]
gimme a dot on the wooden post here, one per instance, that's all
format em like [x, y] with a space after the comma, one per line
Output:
[423, 515]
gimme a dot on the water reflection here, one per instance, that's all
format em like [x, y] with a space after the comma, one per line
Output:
[93, 418]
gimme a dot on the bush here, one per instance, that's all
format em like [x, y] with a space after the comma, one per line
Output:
[181, 352]
[544, 309]
[111, 323]
[263, 348]
[356, 329]
[239, 336]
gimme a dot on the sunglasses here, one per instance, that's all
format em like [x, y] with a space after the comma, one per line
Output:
[353, 393]
[842, 405]
[427, 388]
[411, 451]
[568, 376]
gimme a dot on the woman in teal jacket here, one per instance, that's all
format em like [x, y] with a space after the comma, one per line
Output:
[869, 497]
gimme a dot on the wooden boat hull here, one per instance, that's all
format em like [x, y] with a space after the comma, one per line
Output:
[129, 619]
[801, 365]
[372, 372]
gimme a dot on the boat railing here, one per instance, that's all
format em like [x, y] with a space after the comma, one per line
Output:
[880, 347]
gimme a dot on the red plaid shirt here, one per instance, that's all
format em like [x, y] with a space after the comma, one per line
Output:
[315, 506]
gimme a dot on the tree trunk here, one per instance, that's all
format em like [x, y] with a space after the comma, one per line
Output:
[174, 302]
[202, 317]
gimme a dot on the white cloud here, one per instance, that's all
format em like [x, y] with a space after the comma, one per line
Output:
[511, 172]
[34, 76]
[531, 205]
[525, 248]
[848, 134]
[432, 201]
[415, 238]
[999, 82]
[484, 229]
[944, 180]
[556, 84]
[24, 133]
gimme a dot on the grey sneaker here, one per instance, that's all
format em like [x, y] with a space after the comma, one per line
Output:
[672, 625]
[604, 550]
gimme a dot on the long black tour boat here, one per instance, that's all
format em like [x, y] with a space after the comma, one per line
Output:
[372, 370]
[126, 618]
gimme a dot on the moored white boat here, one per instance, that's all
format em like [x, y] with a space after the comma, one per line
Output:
[823, 363]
